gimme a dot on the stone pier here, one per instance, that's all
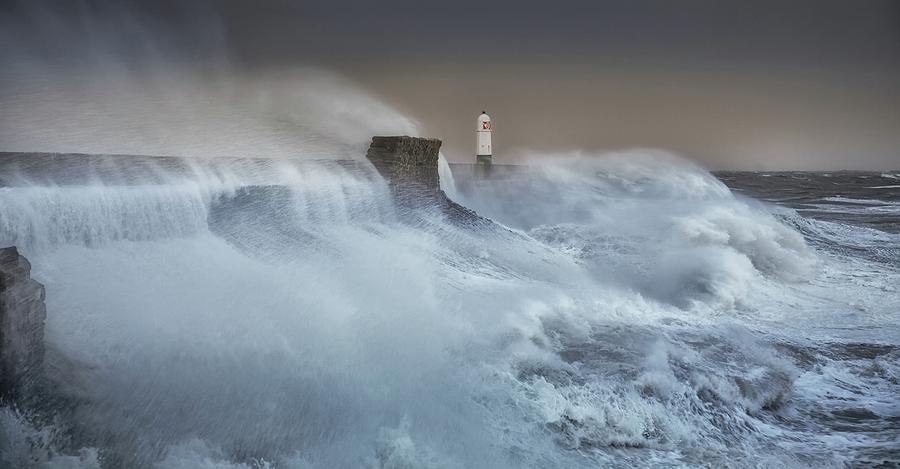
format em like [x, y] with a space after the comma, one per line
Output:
[410, 165]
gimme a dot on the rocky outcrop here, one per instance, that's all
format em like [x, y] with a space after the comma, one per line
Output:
[22, 314]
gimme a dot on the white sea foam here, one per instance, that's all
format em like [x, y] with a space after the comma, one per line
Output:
[672, 227]
[218, 322]
[849, 200]
[306, 325]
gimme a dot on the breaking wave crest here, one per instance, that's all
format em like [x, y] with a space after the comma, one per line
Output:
[303, 322]
[673, 230]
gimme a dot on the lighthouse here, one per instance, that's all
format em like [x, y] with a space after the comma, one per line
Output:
[483, 139]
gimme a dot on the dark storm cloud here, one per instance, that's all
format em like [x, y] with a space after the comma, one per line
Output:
[762, 31]
[824, 30]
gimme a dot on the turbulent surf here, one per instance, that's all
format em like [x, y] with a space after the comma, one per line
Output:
[618, 309]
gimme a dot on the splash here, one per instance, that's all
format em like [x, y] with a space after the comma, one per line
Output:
[111, 77]
[667, 227]
[305, 323]
[299, 113]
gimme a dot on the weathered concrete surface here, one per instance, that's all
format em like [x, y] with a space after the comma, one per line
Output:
[22, 315]
[405, 152]
[410, 165]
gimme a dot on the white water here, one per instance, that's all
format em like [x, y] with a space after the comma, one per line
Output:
[308, 325]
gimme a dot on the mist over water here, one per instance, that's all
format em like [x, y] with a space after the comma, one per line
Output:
[98, 77]
[304, 113]
[623, 309]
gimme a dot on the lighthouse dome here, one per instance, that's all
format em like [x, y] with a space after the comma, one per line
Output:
[484, 122]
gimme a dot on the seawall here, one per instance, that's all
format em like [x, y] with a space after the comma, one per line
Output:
[409, 164]
[74, 169]
[469, 177]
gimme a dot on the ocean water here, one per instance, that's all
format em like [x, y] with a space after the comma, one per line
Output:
[623, 310]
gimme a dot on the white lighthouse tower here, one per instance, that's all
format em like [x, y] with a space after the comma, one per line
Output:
[483, 139]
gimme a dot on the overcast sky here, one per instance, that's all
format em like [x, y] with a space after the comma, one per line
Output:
[798, 84]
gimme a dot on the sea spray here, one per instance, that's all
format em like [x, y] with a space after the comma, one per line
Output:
[306, 324]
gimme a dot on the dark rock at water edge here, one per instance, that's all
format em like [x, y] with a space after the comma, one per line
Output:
[22, 315]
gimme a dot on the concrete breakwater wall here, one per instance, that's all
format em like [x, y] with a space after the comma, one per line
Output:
[408, 164]
[79, 169]
[466, 172]
[470, 178]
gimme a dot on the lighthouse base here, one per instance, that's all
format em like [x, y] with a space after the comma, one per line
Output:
[483, 159]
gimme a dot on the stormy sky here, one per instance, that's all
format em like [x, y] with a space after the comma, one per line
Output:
[732, 84]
